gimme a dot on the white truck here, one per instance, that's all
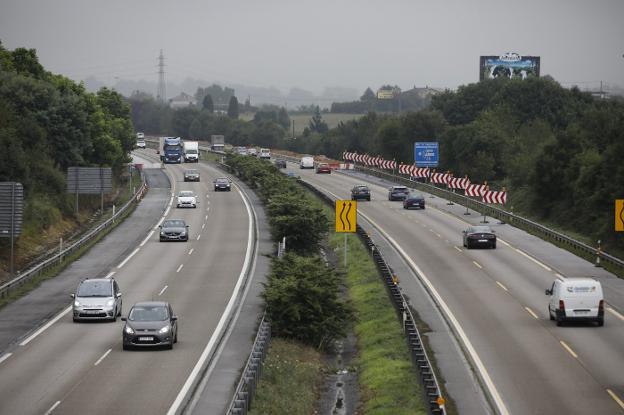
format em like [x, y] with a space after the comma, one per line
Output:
[217, 142]
[191, 151]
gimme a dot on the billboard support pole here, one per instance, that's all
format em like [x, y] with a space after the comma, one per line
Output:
[12, 265]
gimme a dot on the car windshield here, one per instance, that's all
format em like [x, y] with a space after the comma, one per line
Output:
[148, 313]
[480, 229]
[361, 188]
[192, 172]
[399, 189]
[192, 151]
[186, 193]
[415, 196]
[173, 224]
[95, 289]
[222, 180]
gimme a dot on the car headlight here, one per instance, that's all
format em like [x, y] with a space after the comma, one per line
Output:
[183, 233]
[76, 303]
[110, 303]
[128, 330]
[164, 330]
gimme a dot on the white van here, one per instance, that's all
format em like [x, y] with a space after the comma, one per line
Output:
[307, 162]
[265, 153]
[576, 299]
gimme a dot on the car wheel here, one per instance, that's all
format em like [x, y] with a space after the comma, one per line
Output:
[368, 198]
[175, 338]
[169, 346]
[114, 318]
[75, 319]
[494, 245]
[162, 240]
[423, 208]
[559, 321]
[467, 245]
[600, 322]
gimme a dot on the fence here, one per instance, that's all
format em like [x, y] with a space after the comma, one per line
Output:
[54, 260]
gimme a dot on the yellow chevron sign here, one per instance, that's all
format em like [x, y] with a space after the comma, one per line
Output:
[346, 214]
[619, 215]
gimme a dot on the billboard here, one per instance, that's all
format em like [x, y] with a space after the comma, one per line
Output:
[385, 93]
[509, 65]
[426, 154]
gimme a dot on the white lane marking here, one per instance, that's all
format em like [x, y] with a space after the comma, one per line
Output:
[159, 222]
[206, 217]
[458, 249]
[103, 357]
[559, 275]
[207, 202]
[198, 236]
[149, 235]
[163, 290]
[180, 267]
[110, 274]
[45, 326]
[477, 264]
[128, 258]
[498, 400]
[49, 411]
[615, 398]
[503, 242]
[568, 348]
[167, 211]
[191, 251]
[206, 194]
[547, 268]
[203, 225]
[502, 286]
[190, 381]
[5, 357]
[531, 312]
[615, 313]
[207, 209]
[438, 235]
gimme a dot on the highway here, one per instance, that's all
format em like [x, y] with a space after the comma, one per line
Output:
[497, 299]
[77, 368]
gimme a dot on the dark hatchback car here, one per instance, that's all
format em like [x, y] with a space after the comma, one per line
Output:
[174, 230]
[191, 175]
[150, 324]
[414, 200]
[323, 168]
[280, 163]
[397, 193]
[222, 183]
[360, 192]
[479, 236]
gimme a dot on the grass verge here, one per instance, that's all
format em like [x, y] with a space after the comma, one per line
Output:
[290, 380]
[388, 381]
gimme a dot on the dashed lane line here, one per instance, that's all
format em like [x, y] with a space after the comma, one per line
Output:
[180, 267]
[458, 249]
[110, 274]
[198, 236]
[615, 398]
[52, 408]
[477, 264]
[191, 251]
[568, 348]
[103, 357]
[502, 286]
[531, 312]
[163, 290]
[203, 225]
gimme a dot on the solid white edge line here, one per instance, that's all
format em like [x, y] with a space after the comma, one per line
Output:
[531, 312]
[147, 238]
[220, 326]
[568, 348]
[477, 264]
[110, 274]
[103, 357]
[502, 286]
[159, 222]
[615, 313]
[559, 275]
[180, 267]
[503, 242]
[616, 398]
[45, 326]
[128, 258]
[546, 267]
[206, 217]
[498, 401]
[49, 411]
[167, 211]
[163, 290]
[5, 357]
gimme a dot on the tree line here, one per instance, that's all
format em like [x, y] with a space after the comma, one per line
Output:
[49, 123]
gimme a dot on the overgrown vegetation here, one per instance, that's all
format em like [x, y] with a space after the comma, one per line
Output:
[47, 124]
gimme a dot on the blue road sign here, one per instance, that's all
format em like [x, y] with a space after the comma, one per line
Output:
[426, 154]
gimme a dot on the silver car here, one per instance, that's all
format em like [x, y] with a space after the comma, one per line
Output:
[97, 299]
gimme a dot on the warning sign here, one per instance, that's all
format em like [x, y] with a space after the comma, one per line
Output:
[619, 215]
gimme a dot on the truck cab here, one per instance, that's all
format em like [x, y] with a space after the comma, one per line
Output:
[171, 151]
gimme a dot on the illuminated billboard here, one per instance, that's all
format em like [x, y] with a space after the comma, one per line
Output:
[509, 65]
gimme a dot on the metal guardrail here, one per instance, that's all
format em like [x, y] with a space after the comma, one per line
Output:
[246, 389]
[504, 216]
[431, 387]
[58, 258]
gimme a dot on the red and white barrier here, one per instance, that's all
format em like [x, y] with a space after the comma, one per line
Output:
[492, 196]
[476, 190]
[458, 183]
[440, 178]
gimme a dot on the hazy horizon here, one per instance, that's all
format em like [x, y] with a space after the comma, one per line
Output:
[316, 46]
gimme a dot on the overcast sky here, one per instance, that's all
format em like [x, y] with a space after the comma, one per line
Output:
[318, 44]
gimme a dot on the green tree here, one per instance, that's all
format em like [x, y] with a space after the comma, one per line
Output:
[282, 118]
[317, 124]
[233, 108]
[207, 104]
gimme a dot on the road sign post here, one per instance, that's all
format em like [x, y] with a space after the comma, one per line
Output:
[346, 221]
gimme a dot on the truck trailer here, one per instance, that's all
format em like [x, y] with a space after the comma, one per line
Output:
[217, 143]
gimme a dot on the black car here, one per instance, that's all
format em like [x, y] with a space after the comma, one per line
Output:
[222, 183]
[414, 200]
[360, 192]
[149, 324]
[479, 236]
[191, 175]
[280, 163]
[174, 230]
[397, 193]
